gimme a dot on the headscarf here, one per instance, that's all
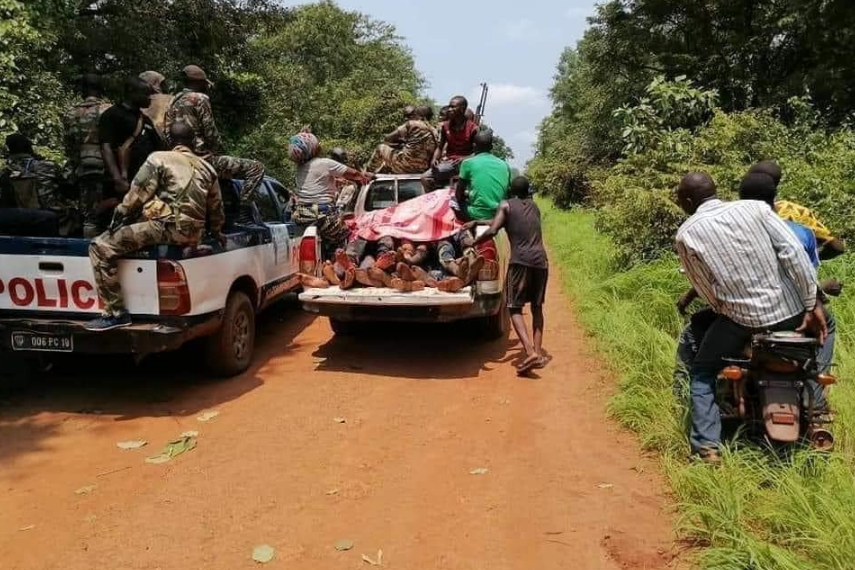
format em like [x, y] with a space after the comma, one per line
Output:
[303, 147]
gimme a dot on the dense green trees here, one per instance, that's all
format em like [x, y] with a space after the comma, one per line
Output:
[659, 87]
[276, 70]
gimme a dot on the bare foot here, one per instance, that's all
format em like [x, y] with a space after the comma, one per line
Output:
[543, 360]
[381, 276]
[386, 261]
[343, 260]
[528, 364]
[474, 269]
[451, 285]
[407, 286]
[329, 274]
[349, 278]
[363, 278]
[312, 282]
[404, 272]
[422, 275]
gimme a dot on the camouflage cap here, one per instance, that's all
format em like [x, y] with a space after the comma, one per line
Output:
[196, 73]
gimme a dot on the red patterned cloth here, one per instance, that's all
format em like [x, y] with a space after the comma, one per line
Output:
[424, 219]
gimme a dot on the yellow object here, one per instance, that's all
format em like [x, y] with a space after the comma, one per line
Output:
[804, 216]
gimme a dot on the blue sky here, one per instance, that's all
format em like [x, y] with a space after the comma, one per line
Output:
[512, 45]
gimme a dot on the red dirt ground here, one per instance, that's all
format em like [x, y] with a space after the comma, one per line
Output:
[565, 488]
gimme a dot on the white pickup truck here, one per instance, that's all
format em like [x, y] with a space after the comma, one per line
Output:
[174, 295]
[484, 300]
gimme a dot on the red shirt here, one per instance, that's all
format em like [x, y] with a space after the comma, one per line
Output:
[459, 143]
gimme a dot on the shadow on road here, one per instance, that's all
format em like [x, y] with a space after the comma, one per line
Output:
[162, 385]
[416, 351]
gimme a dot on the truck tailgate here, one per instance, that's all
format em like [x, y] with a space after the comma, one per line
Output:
[382, 297]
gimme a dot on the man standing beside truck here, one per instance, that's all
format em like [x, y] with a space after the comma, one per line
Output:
[172, 196]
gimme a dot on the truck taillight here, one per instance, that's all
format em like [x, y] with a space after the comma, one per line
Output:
[308, 255]
[172, 289]
[490, 271]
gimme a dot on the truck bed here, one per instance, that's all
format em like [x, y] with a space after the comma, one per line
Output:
[383, 297]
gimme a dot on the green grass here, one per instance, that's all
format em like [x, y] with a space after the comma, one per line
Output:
[758, 510]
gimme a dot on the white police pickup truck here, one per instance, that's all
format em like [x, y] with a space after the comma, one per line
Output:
[47, 290]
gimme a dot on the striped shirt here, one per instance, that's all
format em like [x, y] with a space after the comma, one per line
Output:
[746, 263]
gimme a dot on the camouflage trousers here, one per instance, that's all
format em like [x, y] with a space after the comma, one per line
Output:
[396, 161]
[106, 249]
[234, 168]
[91, 194]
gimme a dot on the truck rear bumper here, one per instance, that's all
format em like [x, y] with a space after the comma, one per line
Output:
[141, 338]
[384, 306]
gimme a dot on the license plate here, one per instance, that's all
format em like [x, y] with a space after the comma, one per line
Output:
[28, 341]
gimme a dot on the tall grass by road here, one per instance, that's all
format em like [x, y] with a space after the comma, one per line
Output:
[758, 510]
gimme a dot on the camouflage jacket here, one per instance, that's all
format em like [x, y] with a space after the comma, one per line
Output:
[194, 109]
[176, 186]
[23, 172]
[82, 146]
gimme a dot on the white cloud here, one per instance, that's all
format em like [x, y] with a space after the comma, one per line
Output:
[520, 30]
[509, 95]
[525, 138]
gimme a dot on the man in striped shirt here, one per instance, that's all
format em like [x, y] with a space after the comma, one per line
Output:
[751, 269]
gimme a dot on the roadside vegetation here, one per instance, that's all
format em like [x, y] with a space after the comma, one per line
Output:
[656, 89]
[760, 510]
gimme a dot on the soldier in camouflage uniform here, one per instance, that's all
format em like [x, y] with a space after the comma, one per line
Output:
[409, 149]
[193, 106]
[168, 204]
[83, 150]
[33, 183]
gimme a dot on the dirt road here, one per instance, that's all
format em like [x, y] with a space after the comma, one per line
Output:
[563, 487]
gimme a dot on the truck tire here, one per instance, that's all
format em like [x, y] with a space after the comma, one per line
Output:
[497, 326]
[342, 328]
[230, 349]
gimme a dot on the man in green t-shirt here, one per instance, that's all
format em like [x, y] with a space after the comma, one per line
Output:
[484, 180]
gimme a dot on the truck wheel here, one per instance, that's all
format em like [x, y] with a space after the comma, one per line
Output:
[342, 328]
[497, 326]
[230, 349]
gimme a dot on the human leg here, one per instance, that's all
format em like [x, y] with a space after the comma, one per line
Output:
[105, 251]
[91, 195]
[724, 338]
[233, 167]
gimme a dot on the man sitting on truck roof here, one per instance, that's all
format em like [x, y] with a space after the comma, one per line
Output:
[171, 198]
[456, 139]
[409, 149]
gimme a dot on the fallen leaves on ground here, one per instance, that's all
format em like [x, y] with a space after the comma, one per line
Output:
[376, 561]
[208, 416]
[333, 492]
[131, 444]
[479, 471]
[28, 527]
[190, 433]
[343, 544]
[263, 553]
[173, 449]
[605, 485]
[340, 420]
[85, 490]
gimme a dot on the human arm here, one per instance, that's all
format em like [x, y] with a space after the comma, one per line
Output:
[142, 189]
[440, 148]
[496, 224]
[208, 127]
[686, 300]
[463, 182]
[697, 271]
[791, 256]
[216, 214]
[397, 136]
[110, 137]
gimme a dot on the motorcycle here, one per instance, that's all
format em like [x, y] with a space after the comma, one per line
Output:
[769, 391]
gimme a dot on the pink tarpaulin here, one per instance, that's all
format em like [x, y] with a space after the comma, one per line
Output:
[423, 219]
